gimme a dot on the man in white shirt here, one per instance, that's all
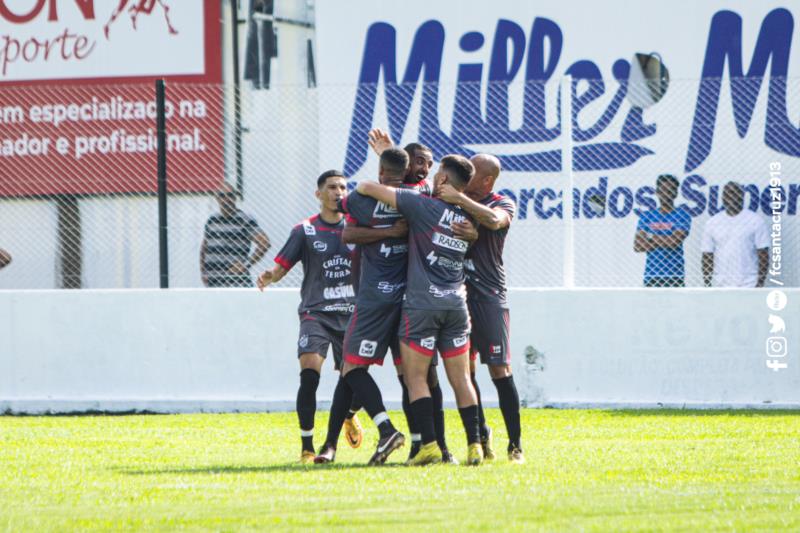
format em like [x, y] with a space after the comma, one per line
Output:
[735, 244]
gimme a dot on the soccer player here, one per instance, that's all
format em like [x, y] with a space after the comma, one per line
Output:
[420, 163]
[372, 328]
[434, 313]
[486, 295]
[327, 295]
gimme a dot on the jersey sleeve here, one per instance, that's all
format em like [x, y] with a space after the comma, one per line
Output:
[684, 222]
[355, 206]
[292, 250]
[642, 224]
[508, 206]
[251, 226]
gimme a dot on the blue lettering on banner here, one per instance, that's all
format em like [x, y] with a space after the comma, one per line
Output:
[536, 58]
[696, 195]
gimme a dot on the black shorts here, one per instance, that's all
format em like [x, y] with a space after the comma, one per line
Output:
[490, 333]
[318, 331]
[426, 331]
[372, 330]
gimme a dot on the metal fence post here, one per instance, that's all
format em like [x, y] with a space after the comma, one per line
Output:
[161, 135]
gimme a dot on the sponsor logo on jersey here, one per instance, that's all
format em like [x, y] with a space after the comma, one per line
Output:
[341, 307]
[367, 348]
[383, 210]
[429, 343]
[460, 341]
[439, 293]
[388, 288]
[449, 216]
[451, 243]
[309, 229]
[342, 291]
[320, 246]
[496, 348]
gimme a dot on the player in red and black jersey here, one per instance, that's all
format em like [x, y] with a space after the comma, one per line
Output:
[416, 178]
[328, 294]
[486, 293]
[434, 315]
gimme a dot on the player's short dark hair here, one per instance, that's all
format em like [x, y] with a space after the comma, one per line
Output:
[667, 178]
[329, 174]
[395, 161]
[459, 169]
[410, 148]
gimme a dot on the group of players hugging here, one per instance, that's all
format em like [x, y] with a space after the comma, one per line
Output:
[398, 265]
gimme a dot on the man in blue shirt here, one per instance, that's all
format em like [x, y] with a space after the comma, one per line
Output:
[660, 233]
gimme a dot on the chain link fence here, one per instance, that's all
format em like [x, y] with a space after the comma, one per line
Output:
[79, 166]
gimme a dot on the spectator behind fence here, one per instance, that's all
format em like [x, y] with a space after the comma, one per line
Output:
[5, 258]
[660, 233]
[225, 259]
[735, 244]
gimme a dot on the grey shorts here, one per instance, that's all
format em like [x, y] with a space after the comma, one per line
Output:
[426, 331]
[318, 331]
[372, 330]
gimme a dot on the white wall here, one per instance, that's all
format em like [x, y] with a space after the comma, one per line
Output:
[212, 350]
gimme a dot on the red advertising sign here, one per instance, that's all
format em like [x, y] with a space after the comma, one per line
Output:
[77, 95]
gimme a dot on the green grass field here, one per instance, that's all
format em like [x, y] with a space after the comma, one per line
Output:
[586, 470]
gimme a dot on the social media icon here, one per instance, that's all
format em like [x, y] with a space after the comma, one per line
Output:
[776, 347]
[777, 323]
[776, 300]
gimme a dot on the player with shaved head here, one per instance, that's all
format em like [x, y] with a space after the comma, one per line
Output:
[486, 294]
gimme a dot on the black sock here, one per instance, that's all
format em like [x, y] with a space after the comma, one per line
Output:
[438, 416]
[307, 406]
[412, 427]
[469, 417]
[481, 418]
[509, 405]
[355, 406]
[342, 396]
[422, 410]
[368, 392]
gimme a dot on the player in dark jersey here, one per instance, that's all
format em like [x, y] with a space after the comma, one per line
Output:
[420, 163]
[434, 314]
[328, 294]
[486, 294]
[372, 327]
[420, 159]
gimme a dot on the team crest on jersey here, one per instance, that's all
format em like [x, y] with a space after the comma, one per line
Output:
[383, 210]
[309, 229]
[351, 246]
[367, 348]
[303, 342]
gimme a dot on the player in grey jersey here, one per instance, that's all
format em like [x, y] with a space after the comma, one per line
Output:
[327, 295]
[420, 164]
[434, 314]
[486, 294]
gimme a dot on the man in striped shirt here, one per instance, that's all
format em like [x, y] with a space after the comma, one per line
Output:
[225, 258]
